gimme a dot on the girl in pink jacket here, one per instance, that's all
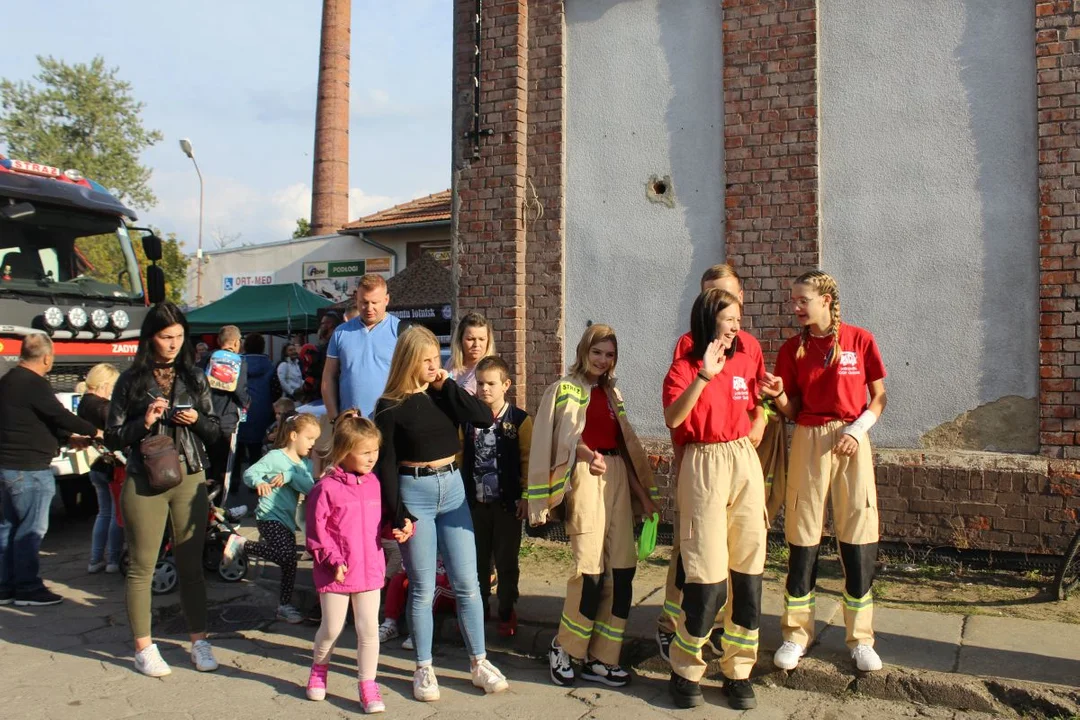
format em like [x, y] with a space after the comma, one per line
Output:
[344, 511]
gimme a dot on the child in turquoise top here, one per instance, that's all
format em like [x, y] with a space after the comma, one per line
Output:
[279, 479]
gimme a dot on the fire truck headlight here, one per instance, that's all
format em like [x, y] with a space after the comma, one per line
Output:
[99, 319]
[120, 319]
[54, 318]
[77, 317]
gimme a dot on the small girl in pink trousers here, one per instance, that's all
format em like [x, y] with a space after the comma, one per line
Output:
[344, 511]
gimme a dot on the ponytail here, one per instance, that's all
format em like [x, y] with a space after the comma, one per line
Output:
[823, 284]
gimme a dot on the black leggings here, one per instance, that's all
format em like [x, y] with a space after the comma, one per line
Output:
[277, 544]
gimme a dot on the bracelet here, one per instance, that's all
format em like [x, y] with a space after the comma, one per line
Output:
[701, 374]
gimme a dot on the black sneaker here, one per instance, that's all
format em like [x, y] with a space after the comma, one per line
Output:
[740, 694]
[610, 675]
[715, 641]
[7, 597]
[38, 598]
[562, 668]
[663, 641]
[684, 693]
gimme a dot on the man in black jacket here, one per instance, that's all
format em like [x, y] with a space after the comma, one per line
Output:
[228, 406]
[33, 424]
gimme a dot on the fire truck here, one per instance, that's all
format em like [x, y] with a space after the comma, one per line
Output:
[52, 223]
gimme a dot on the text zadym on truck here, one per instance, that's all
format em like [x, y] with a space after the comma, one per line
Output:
[53, 226]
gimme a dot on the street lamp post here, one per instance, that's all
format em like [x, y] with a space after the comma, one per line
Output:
[185, 145]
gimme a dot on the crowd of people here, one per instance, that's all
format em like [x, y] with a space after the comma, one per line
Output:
[426, 475]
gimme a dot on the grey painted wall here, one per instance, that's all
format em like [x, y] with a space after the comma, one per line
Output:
[644, 98]
[929, 198]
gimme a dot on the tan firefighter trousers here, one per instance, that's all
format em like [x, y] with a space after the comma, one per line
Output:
[600, 524]
[772, 452]
[815, 473]
[721, 501]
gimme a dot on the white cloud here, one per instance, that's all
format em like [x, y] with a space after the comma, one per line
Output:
[233, 207]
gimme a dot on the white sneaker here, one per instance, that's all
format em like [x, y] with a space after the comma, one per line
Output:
[236, 513]
[388, 631]
[866, 658]
[488, 678]
[202, 656]
[407, 644]
[112, 568]
[290, 614]
[97, 567]
[149, 662]
[425, 687]
[233, 547]
[787, 657]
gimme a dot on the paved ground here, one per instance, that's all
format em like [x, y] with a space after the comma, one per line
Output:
[74, 660]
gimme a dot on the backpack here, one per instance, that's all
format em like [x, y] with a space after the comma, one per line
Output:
[223, 370]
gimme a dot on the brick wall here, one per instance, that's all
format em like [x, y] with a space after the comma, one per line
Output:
[489, 239]
[1058, 64]
[771, 162]
[543, 213]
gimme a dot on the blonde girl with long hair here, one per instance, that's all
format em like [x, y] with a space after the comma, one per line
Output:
[473, 341]
[107, 537]
[424, 499]
[344, 512]
[279, 478]
[585, 454]
[830, 379]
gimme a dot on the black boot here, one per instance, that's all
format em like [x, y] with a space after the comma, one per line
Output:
[740, 694]
[684, 693]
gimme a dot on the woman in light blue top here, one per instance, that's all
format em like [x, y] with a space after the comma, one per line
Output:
[279, 479]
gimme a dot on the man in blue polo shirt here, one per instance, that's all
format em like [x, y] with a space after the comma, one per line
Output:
[358, 357]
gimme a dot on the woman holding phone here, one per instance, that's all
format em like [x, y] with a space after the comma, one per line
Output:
[163, 393]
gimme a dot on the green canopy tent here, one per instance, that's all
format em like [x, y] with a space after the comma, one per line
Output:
[275, 309]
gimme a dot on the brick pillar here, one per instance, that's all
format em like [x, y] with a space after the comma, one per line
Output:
[1057, 33]
[330, 177]
[488, 230]
[771, 154]
[544, 198]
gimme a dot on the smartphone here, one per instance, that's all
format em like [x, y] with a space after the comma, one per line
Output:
[180, 407]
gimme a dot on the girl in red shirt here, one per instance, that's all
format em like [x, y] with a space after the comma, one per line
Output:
[720, 500]
[823, 377]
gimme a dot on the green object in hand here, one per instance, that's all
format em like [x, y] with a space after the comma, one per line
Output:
[647, 541]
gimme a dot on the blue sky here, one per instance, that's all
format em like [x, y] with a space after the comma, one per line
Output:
[238, 77]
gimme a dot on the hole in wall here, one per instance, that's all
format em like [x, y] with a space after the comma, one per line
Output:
[659, 189]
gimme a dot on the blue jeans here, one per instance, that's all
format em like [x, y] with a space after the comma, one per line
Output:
[25, 497]
[107, 535]
[443, 528]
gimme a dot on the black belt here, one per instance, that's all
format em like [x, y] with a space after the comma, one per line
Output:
[609, 453]
[427, 471]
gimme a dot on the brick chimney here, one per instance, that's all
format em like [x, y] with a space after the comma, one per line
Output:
[330, 178]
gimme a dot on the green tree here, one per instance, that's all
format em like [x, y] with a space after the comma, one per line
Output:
[303, 229]
[104, 254]
[80, 116]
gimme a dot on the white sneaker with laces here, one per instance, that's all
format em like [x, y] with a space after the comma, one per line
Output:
[407, 644]
[290, 614]
[96, 567]
[425, 687]
[112, 568]
[149, 662]
[388, 631]
[488, 678]
[788, 655]
[866, 658]
[202, 656]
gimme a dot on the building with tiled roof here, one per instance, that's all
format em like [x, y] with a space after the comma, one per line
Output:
[430, 210]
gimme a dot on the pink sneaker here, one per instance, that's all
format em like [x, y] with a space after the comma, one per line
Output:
[370, 697]
[316, 682]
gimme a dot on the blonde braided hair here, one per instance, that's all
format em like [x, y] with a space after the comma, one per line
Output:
[823, 284]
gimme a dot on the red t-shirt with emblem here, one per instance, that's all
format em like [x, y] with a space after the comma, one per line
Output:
[831, 392]
[601, 428]
[747, 343]
[720, 414]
